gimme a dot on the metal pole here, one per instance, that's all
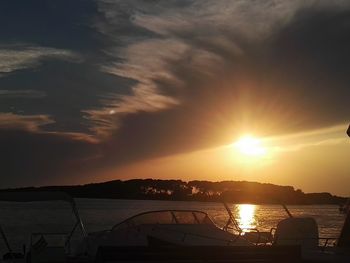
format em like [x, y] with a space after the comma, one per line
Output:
[5, 239]
[81, 225]
[232, 218]
[286, 209]
[76, 213]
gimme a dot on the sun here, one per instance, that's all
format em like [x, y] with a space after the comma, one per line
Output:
[250, 146]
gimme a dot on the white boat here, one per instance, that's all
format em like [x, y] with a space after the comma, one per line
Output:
[294, 238]
[166, 227]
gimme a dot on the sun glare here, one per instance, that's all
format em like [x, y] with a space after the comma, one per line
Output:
[250, 146]
[246, 216]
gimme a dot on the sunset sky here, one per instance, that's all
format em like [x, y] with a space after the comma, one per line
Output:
[183, 89]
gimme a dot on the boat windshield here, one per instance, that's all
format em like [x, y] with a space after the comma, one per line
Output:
[167, 217]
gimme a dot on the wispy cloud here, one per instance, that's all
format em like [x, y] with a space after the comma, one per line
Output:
[10, 121]
[172, 48]
[36, 123]
[16, 57]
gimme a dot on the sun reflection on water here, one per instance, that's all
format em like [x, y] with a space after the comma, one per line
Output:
[246, 216]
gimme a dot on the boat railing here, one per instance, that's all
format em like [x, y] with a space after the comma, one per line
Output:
[259, 237]
[325, 241]
[269, 238]
[65, 239]
[42, 235]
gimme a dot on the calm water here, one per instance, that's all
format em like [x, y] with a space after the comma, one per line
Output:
[20, 219]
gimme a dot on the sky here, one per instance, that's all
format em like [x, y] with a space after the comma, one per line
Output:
[116, 89]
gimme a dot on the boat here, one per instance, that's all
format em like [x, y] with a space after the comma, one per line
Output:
[184, 236]
[191, 235]
[53, 247]
[168, 227]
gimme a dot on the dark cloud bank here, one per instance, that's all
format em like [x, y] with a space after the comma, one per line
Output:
[294, 79]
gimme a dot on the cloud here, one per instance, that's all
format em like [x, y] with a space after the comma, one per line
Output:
[180, 52]
[36, 124]
[10, 121]
[21, 56]
[227, 68]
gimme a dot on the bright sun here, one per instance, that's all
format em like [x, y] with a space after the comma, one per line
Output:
[250, 146]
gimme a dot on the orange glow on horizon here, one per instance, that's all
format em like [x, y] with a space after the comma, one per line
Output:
[317, 153]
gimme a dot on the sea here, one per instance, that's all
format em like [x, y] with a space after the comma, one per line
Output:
[22, 222]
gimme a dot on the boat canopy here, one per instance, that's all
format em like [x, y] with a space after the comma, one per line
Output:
[42, 196]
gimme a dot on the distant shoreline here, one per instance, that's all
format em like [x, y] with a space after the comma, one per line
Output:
[197, 201]
[203, 191]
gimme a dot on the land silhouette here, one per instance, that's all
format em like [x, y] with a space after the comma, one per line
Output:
[178, 190]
